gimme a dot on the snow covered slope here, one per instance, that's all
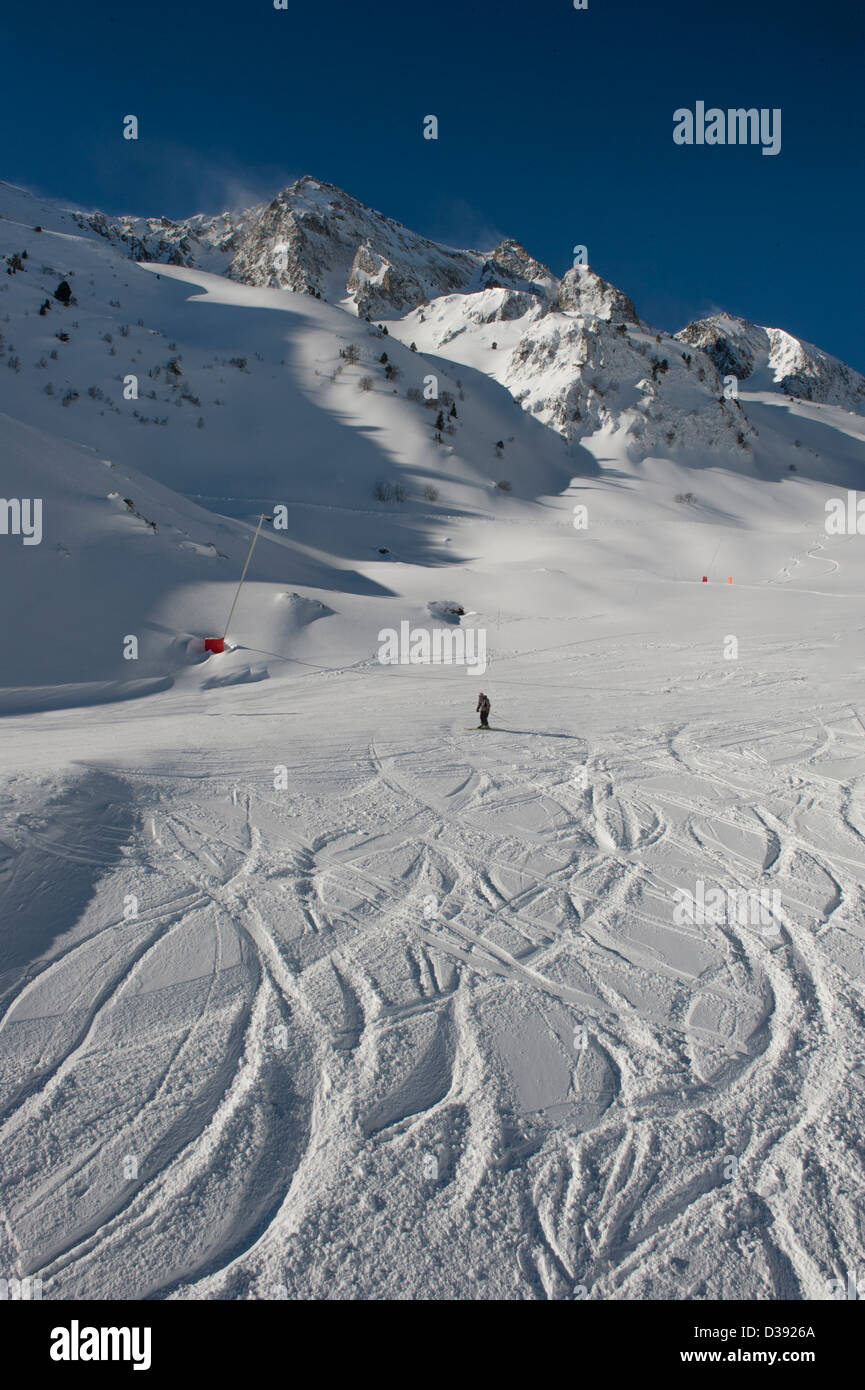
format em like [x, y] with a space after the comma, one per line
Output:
[306, 990]
[122, 556]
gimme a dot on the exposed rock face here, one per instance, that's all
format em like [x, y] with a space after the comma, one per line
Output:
[147, 239]
[769, 358]
[583, 374]
[580, 373]
[511, 266]
[733, 344]
[311, 237]
[804, 370]
[314, 237]
[380, 288]
[583, 292]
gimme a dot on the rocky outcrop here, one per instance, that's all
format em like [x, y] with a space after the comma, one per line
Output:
[583, 292]
[772, 359]
[511, 267]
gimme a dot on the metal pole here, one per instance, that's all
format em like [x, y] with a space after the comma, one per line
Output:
[243, 576]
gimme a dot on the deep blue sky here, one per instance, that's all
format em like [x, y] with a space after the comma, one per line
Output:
[555, 128]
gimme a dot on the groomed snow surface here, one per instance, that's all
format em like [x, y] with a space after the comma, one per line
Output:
[310, 990]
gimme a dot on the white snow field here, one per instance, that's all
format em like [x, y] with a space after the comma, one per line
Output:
[308, 989]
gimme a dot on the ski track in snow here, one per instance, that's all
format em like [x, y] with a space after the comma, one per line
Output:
[428, 927]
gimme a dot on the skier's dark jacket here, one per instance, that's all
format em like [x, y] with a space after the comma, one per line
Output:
[483, 705]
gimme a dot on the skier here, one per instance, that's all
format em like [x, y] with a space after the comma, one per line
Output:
[483, 708]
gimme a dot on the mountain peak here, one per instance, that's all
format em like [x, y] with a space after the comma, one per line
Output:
[772, 359]
[583, 291]
[511, 267]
